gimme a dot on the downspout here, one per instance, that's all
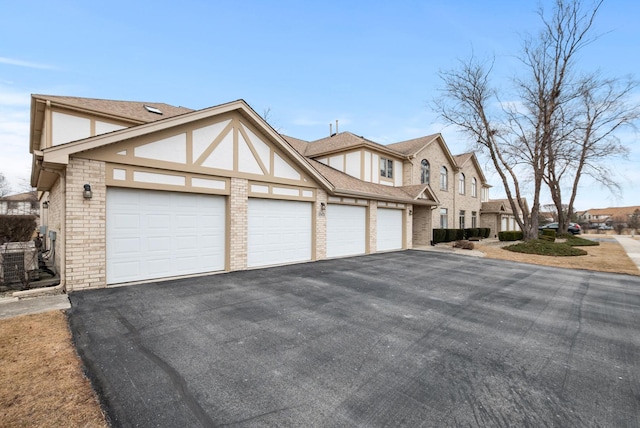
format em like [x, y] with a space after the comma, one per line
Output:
[62, 287]
[455, 191]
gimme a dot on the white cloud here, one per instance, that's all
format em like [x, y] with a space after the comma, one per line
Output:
[20, 63]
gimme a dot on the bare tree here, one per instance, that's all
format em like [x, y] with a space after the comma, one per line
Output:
[619, 223]
[602, 107]
[267, 115]
[5, 188]
[561, 124]
[634, 221]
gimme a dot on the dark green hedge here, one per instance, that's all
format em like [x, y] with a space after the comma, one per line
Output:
[510, 235]
[548, 235]
[450, 235]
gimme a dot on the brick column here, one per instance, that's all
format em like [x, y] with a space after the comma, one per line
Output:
[238, 224]
[408, 227]
[372, 220]
[320, 222]
[85, 240]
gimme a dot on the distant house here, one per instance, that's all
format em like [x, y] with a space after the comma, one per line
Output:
[499, 217]
[20, 204]
[139, 191]
[596, 217]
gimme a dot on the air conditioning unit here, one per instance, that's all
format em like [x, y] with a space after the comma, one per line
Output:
[18, 259]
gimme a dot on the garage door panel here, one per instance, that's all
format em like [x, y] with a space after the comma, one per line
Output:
[346, 230]
[152, 234]
[278, 232]
[389, 229]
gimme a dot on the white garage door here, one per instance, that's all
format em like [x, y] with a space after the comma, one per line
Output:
[346, 230]
[389, 229]
[152, 234]
[278, 232]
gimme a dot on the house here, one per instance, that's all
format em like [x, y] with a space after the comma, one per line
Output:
[596, 217]
[142, 191]
[499, 217]
[21, 204]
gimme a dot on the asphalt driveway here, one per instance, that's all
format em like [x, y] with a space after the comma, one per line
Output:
[399, 339]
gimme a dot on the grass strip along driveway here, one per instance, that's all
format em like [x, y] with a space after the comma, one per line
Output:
[399, 339]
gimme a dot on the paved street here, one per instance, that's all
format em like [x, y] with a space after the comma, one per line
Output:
[399, 339]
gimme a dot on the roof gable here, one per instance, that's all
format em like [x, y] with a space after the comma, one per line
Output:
[413, 146]
[345, 141]
[463, 159]
[223, 138]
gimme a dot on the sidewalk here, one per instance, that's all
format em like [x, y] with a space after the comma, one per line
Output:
[631, 246]
[12, 306]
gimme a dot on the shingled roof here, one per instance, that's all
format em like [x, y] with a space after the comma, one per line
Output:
[132, 110]
[463, 158]
[411, 147]
[614, 211]
[342, 141]
[344, 183]
[296, 143]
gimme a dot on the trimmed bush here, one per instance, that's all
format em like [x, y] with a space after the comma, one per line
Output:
[17, 228]
[473, 232]
[439, 235]
[548, 235]
[574, 241]
[452, 235]
[459, 234]
[484, 232]
[510, 235]
[545, 248]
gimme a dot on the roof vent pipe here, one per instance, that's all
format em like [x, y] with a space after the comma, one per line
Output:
[336, 126]
[331, 130]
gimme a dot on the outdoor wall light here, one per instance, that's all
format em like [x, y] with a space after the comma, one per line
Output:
[87, 194]
[323, 209]
[410, 212]
[45, 205]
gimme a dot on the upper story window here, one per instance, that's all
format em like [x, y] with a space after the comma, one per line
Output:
[474, 187]
[386, 168]
[424, 171]
[444, 178]
[461, 184]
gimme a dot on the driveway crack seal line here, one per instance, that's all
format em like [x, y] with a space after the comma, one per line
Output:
[177, 380]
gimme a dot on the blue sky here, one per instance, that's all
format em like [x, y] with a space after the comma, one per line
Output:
[373, 65]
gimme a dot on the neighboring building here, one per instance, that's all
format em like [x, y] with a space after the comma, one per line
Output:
[596, 217]
[140, 191]
[498, 216]
[20, 204]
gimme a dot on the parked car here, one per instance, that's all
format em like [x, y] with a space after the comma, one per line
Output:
[574, 228]
[605, 227]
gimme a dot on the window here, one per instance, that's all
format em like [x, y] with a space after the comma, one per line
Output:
[443, 218]
[461, 184]
[444, 178]
[474, 187]
[474, 219]
[424, 171]
[386, 168]
[461, 218]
